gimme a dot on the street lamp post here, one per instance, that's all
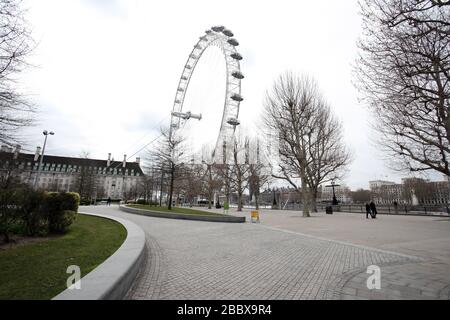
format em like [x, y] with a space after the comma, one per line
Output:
[45, 133]
[332, 185]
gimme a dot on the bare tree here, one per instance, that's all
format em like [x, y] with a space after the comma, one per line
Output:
[168, 158]
[259, 169]
[289, 115]
[240, 167]
[191, 181]
[327, 154]
[403, 74]
[15, 44]
[309, 137]
[210, 174]
[10, 172]
[149, 184]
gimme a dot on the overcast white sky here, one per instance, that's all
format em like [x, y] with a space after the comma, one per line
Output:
[107, 70]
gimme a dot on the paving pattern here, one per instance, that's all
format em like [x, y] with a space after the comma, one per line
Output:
[204, 260]
[426, 280]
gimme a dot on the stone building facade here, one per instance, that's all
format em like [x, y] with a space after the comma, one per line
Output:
[412, 191]
[98, 178]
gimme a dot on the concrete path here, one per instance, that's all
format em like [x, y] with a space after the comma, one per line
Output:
[279, 260]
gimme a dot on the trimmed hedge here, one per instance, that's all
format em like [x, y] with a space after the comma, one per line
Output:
[35, 212]
[143, 202]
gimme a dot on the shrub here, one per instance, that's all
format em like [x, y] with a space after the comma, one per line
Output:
[24, 210]
[70, 201]
[141, 201]
[9, 211]
[62, 220]
[32, 213]
[61, 209]
[85, 202]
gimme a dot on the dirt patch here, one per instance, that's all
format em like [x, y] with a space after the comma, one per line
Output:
[18, 241]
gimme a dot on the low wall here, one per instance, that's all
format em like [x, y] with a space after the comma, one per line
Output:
[112, 279]
[159, 214]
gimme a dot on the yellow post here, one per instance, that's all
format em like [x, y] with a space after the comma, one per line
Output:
[255, 216]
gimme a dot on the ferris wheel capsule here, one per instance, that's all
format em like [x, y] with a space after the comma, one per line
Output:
[218, 28]
[237, 97]
[227, 32]
[238, 75]
[233, 121]
[233, 42]
[236, 56]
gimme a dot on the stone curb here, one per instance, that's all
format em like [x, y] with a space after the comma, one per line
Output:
[112, 279]
[159, 214]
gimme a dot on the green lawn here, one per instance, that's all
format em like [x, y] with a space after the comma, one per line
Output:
[180, 210]
[38, 271]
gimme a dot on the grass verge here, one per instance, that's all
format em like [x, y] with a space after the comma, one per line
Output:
[38, 271]
[178, 210]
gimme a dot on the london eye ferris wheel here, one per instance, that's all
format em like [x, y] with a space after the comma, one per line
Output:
[223, 112]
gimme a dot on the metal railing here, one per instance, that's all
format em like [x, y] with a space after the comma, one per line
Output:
[401, 209]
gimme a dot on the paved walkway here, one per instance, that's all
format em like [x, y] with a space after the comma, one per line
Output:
[204, 260]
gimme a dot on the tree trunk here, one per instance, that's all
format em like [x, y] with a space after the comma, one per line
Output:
[6, 238]
[172, 169]
[305, 196]
[314, 201]
[239, 201]
[209, 199]
[256, 200]
[161, 191]
[209, 189]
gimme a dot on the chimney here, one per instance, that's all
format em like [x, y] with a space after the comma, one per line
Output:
[108, 163]
[138, 160]
[38, 152]
[4, 148]
[124, 164]
[17, 151]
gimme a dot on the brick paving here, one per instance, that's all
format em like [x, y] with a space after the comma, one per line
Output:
[245, 262]
[204, 260]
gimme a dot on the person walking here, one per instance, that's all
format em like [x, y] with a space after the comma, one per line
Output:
[108, 202]
[368, 211]
[373, 209]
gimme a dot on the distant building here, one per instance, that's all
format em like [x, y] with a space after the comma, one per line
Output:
[379, 183]
[342, 193]
[413, 191]
[100, 178]
[388, 194]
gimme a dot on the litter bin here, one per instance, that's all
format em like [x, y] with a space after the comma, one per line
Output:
[329, 210]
